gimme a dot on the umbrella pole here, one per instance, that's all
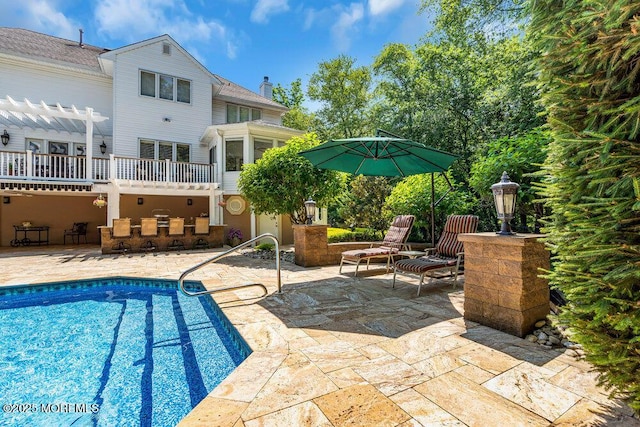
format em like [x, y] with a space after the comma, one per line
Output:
[433, 214]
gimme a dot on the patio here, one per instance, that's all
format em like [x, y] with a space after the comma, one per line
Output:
[334, 350]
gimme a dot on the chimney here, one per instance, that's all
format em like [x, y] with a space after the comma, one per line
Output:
[80, 44]
[266, 88]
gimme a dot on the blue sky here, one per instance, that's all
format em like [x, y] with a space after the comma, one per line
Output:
[241, 40]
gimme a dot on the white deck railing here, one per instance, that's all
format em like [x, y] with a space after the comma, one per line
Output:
[55, 167]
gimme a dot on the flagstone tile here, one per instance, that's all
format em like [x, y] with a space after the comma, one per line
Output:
[475, 374]
[420, 345]
[295, 381]
[244, 383]
[261, 337]
[490, 360]
[213, 411]
[390, 375]
[526, 385]
[424, 411]
[305, 414]
[582, 383]
[438, 365]
[360, 405]
[334, 356]
[373, 351]
[346, 377]
[474, 405]
[589, 413]
[302, 343]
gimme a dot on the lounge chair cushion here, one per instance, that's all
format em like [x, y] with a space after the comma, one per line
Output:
[369, 252]
[448, 245]
[423, 264]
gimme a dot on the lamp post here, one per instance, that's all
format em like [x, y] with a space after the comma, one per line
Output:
[504, 196]
[310, 209]
[5, 137]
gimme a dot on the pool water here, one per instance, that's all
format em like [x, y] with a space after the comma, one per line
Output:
[110, 352]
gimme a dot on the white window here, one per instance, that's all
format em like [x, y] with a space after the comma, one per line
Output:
[163, 86]
[164, 150]
[166, 87]
[259, 147]
[234, 155]
[240, 113]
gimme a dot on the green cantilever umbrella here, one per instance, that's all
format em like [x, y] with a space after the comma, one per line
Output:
[381, 156]
[378, 156]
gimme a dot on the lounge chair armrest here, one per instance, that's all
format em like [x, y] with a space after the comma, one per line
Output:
[430, 251]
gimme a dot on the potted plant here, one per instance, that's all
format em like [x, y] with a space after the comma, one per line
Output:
[234, 236]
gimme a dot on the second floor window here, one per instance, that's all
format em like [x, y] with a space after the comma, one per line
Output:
[164, 150]
[240, 113]
[165, 87]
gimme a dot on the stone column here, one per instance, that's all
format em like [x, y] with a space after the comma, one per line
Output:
[502, 287]
[310, 243]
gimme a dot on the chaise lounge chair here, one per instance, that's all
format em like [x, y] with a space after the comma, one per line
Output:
[394, 241]
[447, 256]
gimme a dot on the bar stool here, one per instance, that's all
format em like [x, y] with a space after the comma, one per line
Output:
[176, 229]
[149, 229]
[121, 230]
[201, 229]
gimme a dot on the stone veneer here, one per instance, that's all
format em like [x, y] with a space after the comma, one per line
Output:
[215, 238]
[502, 286]
[312, 248]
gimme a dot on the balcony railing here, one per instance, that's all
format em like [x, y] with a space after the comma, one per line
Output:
[130, 168]
[54, 167]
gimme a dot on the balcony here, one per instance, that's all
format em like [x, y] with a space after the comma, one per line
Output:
[123, 171]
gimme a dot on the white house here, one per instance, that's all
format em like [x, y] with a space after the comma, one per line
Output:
[144, 126]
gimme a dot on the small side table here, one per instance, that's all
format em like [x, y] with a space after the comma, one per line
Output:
[412, 254]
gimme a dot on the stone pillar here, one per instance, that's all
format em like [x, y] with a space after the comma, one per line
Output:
[502, 288]
[310, 243]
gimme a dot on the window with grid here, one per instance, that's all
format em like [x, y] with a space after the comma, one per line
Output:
[240, 113]
[163, 86]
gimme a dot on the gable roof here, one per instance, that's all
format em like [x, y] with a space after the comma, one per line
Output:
[110, 55]
[64, 53]
[234, 93]
[44, 48]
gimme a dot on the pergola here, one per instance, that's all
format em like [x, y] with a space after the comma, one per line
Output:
[23, 114]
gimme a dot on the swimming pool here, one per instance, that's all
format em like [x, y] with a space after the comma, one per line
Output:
[110, 352]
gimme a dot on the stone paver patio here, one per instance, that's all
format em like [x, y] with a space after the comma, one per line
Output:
[334, 350]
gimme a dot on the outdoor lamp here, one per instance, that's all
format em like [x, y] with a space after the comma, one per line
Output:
[310, 208]
[103, 148]
[5, 137]
[504, 195]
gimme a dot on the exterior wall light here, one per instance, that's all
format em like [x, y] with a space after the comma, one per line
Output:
[310, 209]
[103, 148]
[5, 137]
[504, 195]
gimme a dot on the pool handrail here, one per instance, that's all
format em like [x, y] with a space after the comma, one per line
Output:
[224, 255]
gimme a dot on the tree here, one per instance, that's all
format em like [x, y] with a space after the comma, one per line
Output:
[298, 117]
[521, 157]
[589, 77]
[344, 93]
[363, 204]
[281, 181]
[457, 93]
[413, 196]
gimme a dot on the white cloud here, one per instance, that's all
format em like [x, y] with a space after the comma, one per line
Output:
[135, 20]
[343, 30]
[380, 7]
[42, 16]
[266, 8]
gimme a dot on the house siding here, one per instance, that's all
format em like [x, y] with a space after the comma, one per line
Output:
[143, 117]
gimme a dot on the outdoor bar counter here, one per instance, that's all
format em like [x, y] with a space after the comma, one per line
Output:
[162, 241]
